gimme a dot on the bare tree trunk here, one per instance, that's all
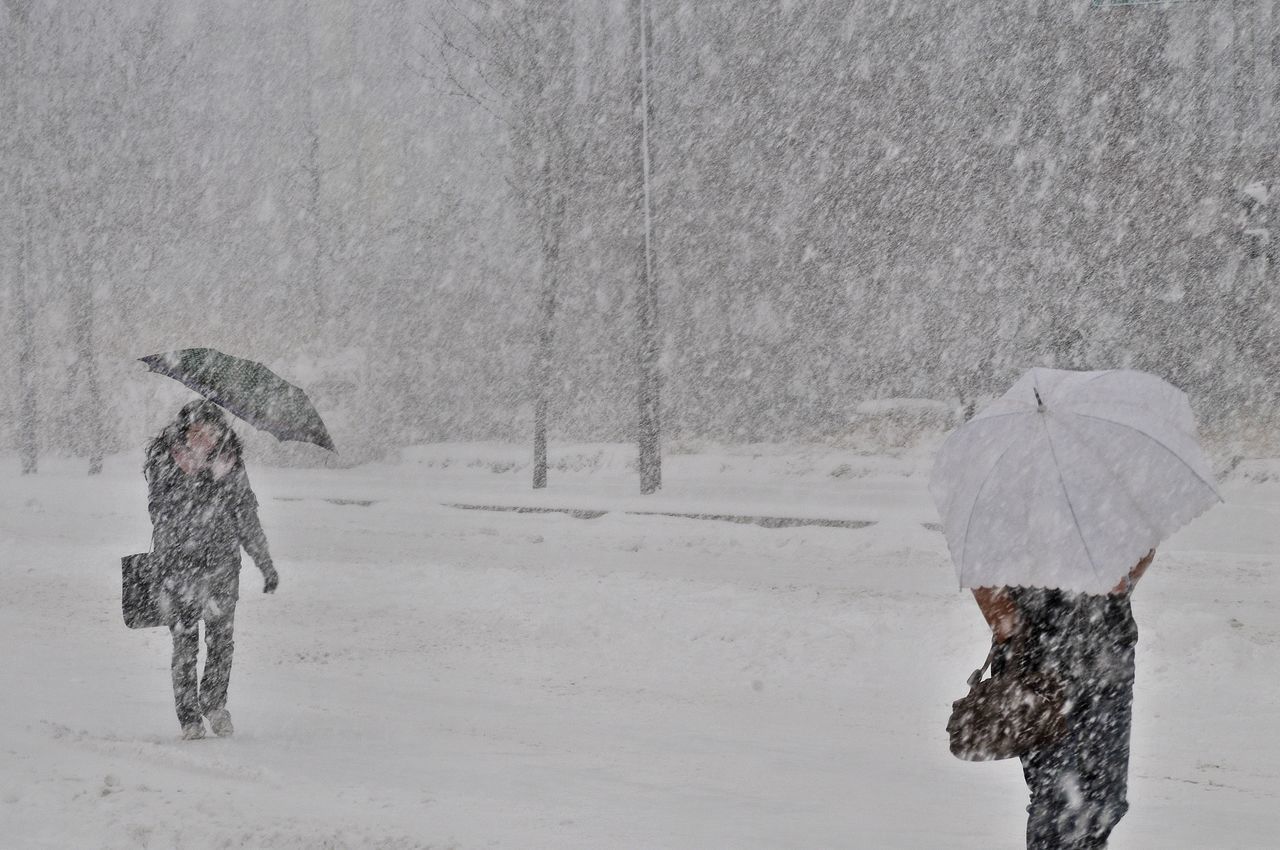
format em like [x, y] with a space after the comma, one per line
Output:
[86, 355]
[542, 379]
[313, 288]
[547, 156]
[551, 228]
[649, 437]
[28, 448]
[542, 367]
[515, 61]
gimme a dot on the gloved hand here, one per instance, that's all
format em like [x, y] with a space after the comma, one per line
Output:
[270, 578]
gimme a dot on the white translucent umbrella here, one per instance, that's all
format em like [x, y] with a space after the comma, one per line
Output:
[1069, 479]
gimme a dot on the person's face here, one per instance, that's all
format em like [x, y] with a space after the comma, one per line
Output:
[202, 437]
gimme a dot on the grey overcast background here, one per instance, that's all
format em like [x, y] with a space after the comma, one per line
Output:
[852, 201]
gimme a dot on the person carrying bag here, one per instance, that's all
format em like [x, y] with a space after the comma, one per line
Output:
[1009, 715]
[202, 512]
[1060, 699]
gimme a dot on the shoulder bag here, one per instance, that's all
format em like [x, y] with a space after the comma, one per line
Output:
[1007, 715]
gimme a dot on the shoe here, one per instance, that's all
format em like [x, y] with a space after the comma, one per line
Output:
[193, 731]
[220, 722]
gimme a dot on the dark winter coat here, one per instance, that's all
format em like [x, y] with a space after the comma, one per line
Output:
[1078, 785]
[199, 522]
[1085, 640]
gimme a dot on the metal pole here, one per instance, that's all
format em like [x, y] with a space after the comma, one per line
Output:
[650, 459]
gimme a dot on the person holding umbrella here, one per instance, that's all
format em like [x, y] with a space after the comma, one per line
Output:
[1053, 500]
[1078, 784]
[203, 512]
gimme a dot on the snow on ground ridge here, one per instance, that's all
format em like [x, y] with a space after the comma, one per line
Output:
[429, 677]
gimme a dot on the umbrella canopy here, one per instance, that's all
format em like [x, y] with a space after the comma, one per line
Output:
[249, 390]
[1068, 479]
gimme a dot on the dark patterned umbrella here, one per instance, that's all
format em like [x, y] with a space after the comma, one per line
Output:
[249, 390]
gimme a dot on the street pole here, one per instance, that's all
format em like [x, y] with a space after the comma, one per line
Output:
[649, 438]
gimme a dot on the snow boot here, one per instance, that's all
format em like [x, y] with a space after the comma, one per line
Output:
[220, 722]
[193, 731]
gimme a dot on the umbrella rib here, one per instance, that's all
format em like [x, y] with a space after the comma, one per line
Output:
[1133, 500]
[1158, 442]
[974, 423]
[1106, 373]
[1102, 373]
[1062, 481]
[964, 540]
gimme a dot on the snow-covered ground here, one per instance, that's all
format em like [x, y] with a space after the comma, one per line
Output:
[429, 676]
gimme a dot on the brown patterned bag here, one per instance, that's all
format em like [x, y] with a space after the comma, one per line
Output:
[1008, 715]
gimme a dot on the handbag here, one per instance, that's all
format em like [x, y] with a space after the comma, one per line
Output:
[139, 592]
[1007, 715]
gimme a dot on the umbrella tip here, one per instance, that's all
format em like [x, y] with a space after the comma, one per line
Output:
[1039, 401]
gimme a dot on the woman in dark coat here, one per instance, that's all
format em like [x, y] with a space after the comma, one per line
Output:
[1078, 785]
[202, 512]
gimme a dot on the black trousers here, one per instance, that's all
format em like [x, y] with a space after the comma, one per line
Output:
[189, 603]
[1078, 785]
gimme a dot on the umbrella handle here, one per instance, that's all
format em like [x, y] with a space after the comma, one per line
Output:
[976, 676]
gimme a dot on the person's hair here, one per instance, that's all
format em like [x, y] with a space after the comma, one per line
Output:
[200, 412]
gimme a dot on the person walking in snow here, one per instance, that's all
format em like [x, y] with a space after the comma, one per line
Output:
[202, 513]
[1078, 784]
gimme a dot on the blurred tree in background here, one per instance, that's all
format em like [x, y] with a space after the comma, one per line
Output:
[854, 202]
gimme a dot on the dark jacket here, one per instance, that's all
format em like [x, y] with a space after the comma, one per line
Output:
[199, 523]
[1086, 640]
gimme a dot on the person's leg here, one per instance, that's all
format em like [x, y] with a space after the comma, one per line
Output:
[1104, 766]
[1078, 786]
[219, 620]
[1047, 773]
[184, 627]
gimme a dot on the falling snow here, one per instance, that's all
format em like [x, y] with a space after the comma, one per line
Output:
[754, 260]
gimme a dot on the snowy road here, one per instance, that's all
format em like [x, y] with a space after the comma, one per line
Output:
[433, 677]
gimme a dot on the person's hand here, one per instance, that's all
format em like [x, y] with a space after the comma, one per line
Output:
[1000, 612]
[1127, 583]
[1007, 628]
[270, 578]
[1141, 567]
